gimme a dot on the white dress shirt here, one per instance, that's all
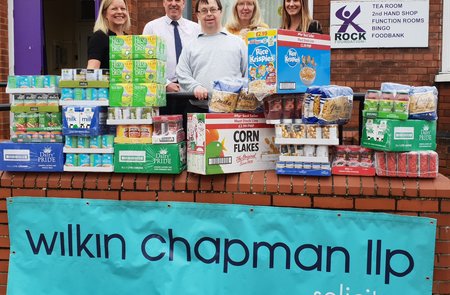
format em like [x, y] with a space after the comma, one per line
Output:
[163, 28]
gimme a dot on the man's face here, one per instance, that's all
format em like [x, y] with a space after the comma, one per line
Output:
[173, 8]
[210, 17]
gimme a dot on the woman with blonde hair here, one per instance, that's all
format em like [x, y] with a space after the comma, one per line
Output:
[246, 16]
[296, 17]
[112, 20]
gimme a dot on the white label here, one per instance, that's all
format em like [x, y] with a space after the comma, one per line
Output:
[385, 23]
[16, 155]
[132, 157]
[403, 133]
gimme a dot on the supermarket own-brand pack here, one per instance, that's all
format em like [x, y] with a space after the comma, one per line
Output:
[220, 143]
[282, 61]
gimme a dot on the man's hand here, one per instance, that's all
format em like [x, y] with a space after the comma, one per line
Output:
[173, 87]
[201, 93]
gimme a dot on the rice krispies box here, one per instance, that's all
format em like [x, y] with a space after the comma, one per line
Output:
[282, 61]
[230, 142]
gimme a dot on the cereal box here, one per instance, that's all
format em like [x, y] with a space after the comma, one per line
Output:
[231, 142]
[282, 61]
[148, 47]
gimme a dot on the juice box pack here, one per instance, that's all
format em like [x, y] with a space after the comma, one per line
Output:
[230, 142]
[282, 61]
[150, 158]
[399, 136]
[137, 95]
[137, 47]
[138, 71]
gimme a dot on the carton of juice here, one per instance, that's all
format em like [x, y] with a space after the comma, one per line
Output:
[149, 95]
[120, 47]
[121, 71]
[150, 70]
[148, 47]
[120, 94]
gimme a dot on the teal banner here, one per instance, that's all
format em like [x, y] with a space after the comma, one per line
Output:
[81, 246]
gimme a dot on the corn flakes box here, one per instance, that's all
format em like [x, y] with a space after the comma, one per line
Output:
[120, 47]
[148, 47]
[220, 143]
[282, 61]
[149, 71]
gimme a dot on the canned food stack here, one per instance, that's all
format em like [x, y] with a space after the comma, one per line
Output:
[304, 148]
[309, 126]
[88, 142]
[36, 119]
[400, 122]
[353, 160]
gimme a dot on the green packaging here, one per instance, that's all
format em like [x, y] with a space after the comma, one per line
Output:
[149, 71]
[148, 47]
[150, 158]
[120, 95]
[149, 95]
[399, 136]
[120, 47]
[121, 71]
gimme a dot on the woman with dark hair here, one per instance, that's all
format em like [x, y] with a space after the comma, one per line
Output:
[296, 17]
[112, 20]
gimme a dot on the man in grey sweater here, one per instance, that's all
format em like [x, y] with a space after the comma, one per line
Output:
[212, 56]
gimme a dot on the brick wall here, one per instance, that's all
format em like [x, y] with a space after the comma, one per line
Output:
[428, 198]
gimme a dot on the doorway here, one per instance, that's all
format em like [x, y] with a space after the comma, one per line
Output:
[67, 28]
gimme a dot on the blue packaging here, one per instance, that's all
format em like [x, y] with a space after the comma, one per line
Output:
[103, 94]
[96, 160]
[36, 157]
[283, 61]
[84, 121]
[67, 94]
[84, 160]
[72, 160]
[107, 160]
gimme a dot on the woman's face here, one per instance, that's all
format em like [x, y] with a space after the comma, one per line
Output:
[117, 13]
[245, 9]
[293, 7]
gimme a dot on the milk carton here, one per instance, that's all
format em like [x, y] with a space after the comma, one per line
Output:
[230, 142]
[282, 61]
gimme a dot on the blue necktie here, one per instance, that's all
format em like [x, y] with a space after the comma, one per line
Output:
[178, 45]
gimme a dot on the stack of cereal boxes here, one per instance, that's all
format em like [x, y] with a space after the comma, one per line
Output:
[36, 139]
[400, 122]
[84, 98]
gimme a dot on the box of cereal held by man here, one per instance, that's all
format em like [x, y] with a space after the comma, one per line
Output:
[220, 143]
[283, 61]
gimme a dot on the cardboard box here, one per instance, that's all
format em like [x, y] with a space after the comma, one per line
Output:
[228, 143]
[84, 121]
[399, 136]
[137, 95]
[36, 157]
[149, 71]
[282, 61]
[148, 47]
[150, 158]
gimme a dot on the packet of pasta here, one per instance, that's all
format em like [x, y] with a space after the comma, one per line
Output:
[225, 95]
